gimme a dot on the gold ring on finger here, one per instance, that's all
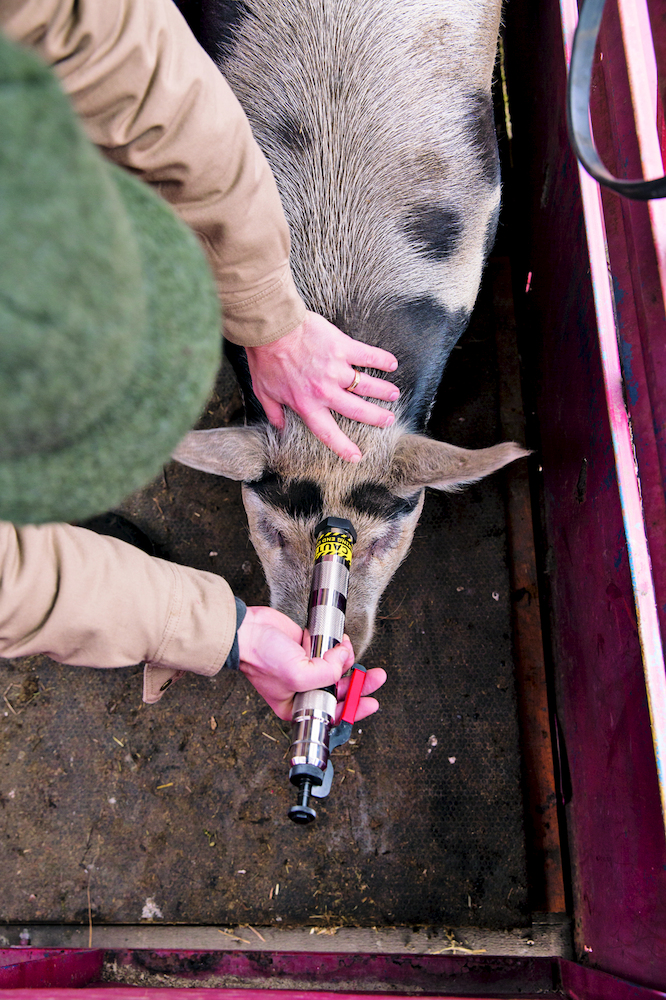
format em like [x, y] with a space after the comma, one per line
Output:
[357, 379]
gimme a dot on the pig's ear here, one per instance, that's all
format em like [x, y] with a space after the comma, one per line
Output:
[419, 461]
[233, 452]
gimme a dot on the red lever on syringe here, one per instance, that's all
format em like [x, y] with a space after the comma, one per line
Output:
[356, 682]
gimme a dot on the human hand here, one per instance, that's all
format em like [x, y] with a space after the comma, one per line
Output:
[310, 370]
[275, 663]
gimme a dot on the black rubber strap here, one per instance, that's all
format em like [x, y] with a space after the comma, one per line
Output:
[233, 660]
[578, 102]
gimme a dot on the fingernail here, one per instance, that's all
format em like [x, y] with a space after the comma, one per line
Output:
[393, 367]
[355, 458]
[389, 420]
[394, 396]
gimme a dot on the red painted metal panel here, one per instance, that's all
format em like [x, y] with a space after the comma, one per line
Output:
[614, 818]
[638, 295]
[582, 983]
[29, 968]
[355, 974]
[425, 973]
[102, 992]
[64, 974]
[602, 253]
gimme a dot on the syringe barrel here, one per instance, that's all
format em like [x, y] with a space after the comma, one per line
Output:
[330, 584]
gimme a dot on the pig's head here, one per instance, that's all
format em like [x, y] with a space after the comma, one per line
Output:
[291, 481]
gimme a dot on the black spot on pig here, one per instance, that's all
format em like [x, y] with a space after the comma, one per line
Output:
[293, 134]
[301, 499]
[436, 330]
[421, 332]
[216, 24]
[380, 502]
[435, 230]
[481, 131]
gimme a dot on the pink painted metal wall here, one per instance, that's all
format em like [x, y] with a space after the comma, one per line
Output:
[614, 819]
[26, 969]
[626, 43]
[474, 975]
[62, 974]
[581, 983]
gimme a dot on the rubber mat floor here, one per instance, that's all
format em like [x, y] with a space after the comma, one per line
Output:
[119, 812]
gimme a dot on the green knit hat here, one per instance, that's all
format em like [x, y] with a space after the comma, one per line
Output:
[109, 321]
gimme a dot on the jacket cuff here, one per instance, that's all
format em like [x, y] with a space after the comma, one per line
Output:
[198, 634]
[264, 317]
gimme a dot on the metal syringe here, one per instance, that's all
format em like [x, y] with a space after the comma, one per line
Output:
[314, 734]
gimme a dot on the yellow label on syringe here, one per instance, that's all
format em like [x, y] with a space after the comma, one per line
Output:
[334, 543]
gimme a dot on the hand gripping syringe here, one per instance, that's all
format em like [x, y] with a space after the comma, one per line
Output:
[313, 732]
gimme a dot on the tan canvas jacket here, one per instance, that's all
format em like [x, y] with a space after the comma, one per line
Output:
[150, 97]
[89, 600]
[154, 102]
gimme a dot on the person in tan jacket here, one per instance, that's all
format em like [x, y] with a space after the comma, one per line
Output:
[109, 338]
[155, 103]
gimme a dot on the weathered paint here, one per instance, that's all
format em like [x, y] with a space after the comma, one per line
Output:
[614, 385]
[105, 992]
[24, 969]
[330, 974]
[559, 978]
[639, 53]
[581, 983]
[615, 826]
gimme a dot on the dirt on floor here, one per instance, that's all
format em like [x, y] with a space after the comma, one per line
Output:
[118, 812]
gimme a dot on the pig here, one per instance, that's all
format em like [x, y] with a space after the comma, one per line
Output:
[376, 117]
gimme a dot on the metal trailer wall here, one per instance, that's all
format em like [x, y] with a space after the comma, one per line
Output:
[79, 975]
[614, 821]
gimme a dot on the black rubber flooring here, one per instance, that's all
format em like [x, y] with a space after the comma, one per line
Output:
[177, 812]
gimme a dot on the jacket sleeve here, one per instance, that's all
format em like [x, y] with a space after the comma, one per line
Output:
[153, 100]
[90, 600]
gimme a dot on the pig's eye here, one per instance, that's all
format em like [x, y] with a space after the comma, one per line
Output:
[271, 534]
